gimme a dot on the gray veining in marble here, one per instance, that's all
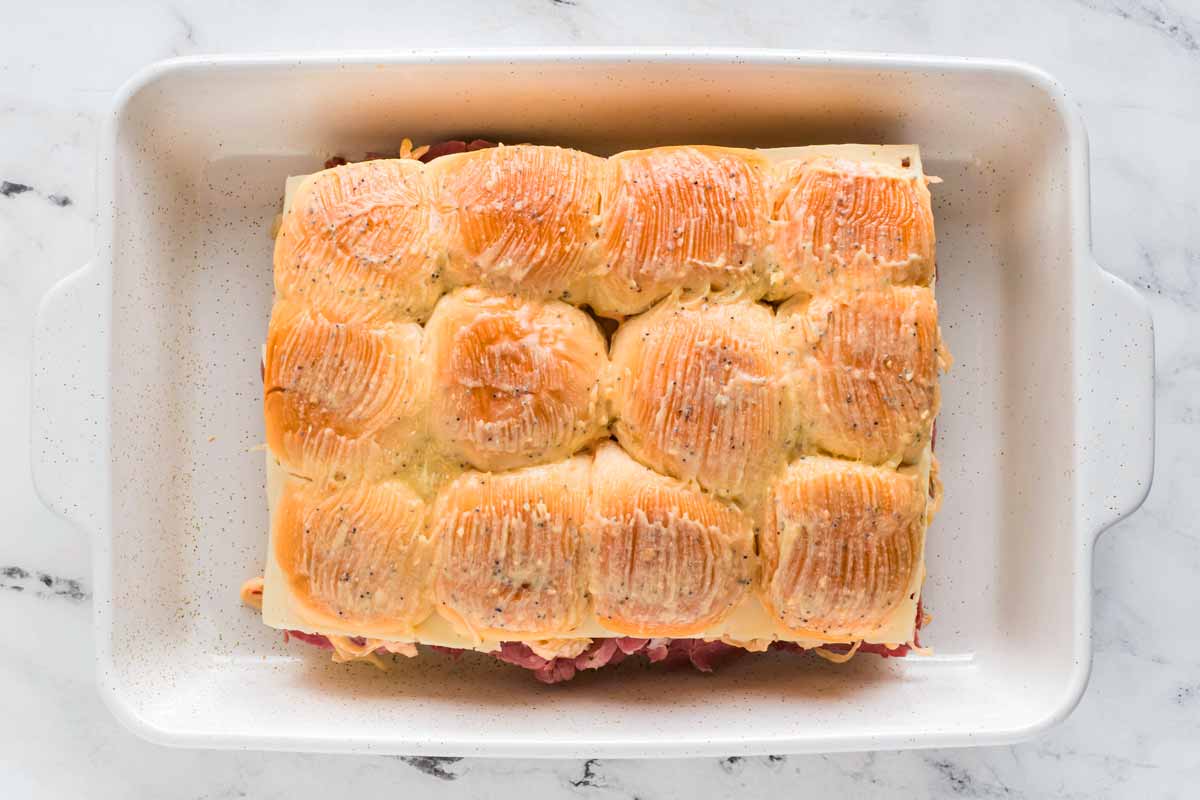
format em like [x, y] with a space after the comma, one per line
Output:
[1132, 65]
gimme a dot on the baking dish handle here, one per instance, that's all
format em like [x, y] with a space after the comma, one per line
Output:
[1116, 401]
[70, 360]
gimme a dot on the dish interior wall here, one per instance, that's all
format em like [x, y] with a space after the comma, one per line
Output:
[200, 164]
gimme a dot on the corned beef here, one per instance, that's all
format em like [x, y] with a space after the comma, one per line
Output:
[435, 151]
[671, 653]
[315, 639]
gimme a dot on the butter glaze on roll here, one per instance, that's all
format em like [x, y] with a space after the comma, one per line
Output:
[680, 218]
[510, 555]
[698, 393]
[840, 546]
[362, 243]
[356, 556]
[522, 219]
[865, 370]
[340, 398]
[855, 224]
[666, 559]
[514, 382]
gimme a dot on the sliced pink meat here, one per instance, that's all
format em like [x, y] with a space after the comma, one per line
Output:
[671, 653]
[657, 650]
[519, 655]
[444, 149]
[315, 639]
[599, 654]
[629, 645]
[556, 671]
[706, 656]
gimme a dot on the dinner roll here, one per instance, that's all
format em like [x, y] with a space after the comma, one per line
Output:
[698, 393]
[522, 218]
[355, 556]
[864, 369]
[680, 218]
[840, 546]
[839, 222]
[665, 557]
[362, 243]
[514, 381]
[510, 563]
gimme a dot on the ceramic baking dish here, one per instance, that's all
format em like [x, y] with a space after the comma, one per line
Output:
[147, 400]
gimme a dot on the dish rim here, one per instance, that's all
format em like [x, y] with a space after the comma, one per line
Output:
[1083, 530]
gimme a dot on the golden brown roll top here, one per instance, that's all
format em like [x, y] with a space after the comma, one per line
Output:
[536, 553]
[665, 558]
[380, 240]
[355, 556]
[841, 546]
[339, 397]
[839, 222]
[522, 219]
[698, 393]
[680, 218]
[510, 559]
[362, 243]
[864, 368]
[515, 382]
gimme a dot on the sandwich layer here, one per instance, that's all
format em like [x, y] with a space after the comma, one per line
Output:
[439, 402]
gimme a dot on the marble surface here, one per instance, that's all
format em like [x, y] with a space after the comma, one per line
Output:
[1132, 65]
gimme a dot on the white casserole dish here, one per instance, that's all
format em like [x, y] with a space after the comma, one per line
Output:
[147, 400]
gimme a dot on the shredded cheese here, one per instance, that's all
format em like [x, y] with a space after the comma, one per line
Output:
[252, 593]
[558, 648]
[838, 658]
[346, 649]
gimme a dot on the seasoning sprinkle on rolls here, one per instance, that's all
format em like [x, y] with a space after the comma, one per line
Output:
[666, 558]
[515, 381]
[363, 243]
[510, 558]
[698, 393]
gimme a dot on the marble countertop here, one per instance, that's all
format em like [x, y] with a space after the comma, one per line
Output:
[1132, 65]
